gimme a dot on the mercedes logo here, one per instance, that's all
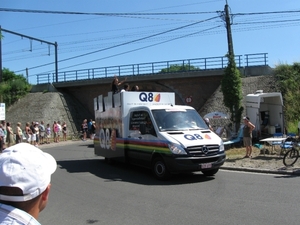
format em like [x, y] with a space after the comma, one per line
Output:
[204, 149]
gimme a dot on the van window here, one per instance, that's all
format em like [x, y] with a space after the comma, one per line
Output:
[141, 121]
[178, 119]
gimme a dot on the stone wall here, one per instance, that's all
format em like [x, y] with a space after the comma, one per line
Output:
[48, 107]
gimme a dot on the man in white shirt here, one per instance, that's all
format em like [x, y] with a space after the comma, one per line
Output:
[25, 177]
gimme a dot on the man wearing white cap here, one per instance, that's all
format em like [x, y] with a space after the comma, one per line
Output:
[25, 175]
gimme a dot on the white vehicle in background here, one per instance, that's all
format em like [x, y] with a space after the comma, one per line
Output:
[149, 130]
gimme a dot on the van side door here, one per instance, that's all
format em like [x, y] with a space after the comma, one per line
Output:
[141, 135]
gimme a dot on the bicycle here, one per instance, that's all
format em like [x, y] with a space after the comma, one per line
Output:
[77, 136]
[292, 155]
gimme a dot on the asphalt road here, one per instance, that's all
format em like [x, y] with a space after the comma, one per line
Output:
[86, 190]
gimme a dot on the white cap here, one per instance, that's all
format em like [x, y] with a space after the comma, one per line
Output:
[26, 167]
[207, 120]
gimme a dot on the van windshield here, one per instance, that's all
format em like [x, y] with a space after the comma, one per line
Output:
[178, 119]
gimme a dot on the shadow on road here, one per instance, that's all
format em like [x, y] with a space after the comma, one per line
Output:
[127, 173]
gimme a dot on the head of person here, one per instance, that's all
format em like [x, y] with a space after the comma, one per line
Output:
[25, 175]
[18, 124]
[246, 119]
[115, 80]
[135, 88]
[126, 87]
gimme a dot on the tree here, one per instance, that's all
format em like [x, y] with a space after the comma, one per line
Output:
[231, 86]
[288, 78]
[13, 87]
[179, 68]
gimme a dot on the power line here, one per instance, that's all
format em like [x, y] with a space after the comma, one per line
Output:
[99, 14]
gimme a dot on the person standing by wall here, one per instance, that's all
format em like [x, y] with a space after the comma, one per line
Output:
[37, 134]
[1, 138]
[10, 135]
[93, 130]
[64, 131]
[247, 136]
[19, 133]
[59, 131]
[55, 129]
[4, 130]
[24, 183]
[42, 132]
[90, 124]
[84, 128]
[33, 133]
[28, 132]
[48, 133]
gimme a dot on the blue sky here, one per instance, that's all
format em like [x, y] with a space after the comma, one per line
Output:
[114, 39]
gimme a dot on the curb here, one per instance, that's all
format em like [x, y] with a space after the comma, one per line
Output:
[266, 171]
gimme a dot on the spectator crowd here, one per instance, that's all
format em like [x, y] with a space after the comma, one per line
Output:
[38, 133]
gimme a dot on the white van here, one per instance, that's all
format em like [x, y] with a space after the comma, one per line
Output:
[148, 129]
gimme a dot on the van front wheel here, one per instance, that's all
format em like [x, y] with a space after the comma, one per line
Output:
[159, 169]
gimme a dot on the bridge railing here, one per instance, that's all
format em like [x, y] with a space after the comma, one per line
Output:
[209, 63]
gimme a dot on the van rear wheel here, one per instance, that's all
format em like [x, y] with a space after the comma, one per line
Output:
[210, 172]
[159, 169]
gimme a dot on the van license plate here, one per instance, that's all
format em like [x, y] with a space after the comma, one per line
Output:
[206, 165]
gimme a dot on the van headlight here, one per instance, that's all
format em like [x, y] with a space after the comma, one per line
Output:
[176, 149]
[222, 147]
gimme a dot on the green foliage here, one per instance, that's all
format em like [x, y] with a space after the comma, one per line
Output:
[13, 87]
[288, 78]
[179, 68]
[231, 86]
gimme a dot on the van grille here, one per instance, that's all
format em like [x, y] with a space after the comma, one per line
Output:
[203, 150]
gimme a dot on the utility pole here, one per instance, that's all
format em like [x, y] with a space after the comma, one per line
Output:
[35, 39]
[229, 34]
